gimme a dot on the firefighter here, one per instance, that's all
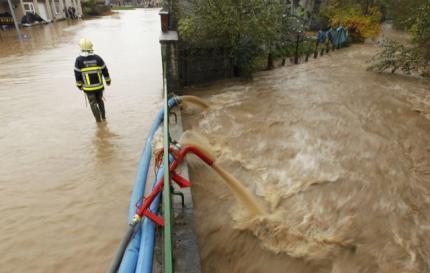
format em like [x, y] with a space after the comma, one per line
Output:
[90, 69]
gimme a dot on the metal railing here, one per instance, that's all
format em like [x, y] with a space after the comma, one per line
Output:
[167, 201]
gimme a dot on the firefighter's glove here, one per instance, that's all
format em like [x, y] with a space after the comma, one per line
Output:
[79, 85]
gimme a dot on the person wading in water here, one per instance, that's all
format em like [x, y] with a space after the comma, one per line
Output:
[89, 69]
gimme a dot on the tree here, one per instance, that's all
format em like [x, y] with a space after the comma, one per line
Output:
[393, 56]
[246, 28]
[361, 23]
[421, 30]
[403, 12]
[93, 8]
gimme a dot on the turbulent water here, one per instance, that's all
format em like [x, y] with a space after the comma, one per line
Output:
[338, 155]
[243, 196]
[64, 182]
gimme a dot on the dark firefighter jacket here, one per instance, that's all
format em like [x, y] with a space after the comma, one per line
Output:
[88, 73]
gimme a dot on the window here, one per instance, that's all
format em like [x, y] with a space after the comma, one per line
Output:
[28, 6]
[57, 6]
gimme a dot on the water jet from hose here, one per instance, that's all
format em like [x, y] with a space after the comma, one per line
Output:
[243, 196]
[188, 101]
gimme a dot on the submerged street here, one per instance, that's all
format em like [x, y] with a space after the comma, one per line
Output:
[338, 157]
[64, 181]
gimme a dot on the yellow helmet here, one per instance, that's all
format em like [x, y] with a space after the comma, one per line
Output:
[86, 45]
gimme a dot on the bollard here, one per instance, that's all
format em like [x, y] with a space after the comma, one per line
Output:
[164, 15]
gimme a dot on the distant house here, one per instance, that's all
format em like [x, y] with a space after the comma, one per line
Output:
[49, 10]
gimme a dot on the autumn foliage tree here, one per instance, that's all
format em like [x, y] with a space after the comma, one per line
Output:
[361, 23]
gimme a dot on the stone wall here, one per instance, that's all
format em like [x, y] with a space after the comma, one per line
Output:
[169, 53]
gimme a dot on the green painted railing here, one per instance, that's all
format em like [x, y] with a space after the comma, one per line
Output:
[167, 201]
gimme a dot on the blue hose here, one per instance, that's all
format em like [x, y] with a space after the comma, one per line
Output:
[147, 242]
[129, 261]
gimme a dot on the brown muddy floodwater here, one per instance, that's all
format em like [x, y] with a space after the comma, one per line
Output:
[340, 158]
[64, 182]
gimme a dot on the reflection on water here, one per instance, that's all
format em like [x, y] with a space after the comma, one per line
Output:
[65, 181]
[37, 37]
[102, 142]
[339, 155]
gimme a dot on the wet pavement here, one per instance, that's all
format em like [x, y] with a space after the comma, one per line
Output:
[64, 181]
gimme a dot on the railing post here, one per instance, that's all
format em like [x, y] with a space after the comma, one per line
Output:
[296, 57]
[316, 48]
[167, 202]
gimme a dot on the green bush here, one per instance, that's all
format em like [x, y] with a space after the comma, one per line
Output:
[247, 28]
[421, 30]
[395, 56]
[123, 8]
[309, 46]
[92, 8]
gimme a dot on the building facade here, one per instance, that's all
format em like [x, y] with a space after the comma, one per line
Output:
[49, 10]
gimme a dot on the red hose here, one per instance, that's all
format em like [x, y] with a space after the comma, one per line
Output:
[142, 209]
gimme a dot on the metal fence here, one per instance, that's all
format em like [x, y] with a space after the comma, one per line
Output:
[199, 65]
